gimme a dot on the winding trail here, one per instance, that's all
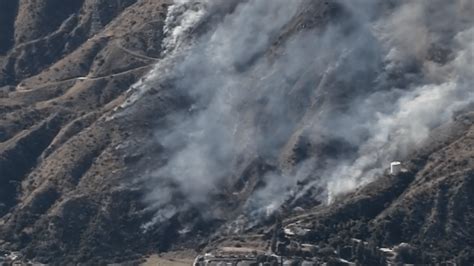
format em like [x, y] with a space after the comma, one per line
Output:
[119, 45]
[87, 78]
[20, 88]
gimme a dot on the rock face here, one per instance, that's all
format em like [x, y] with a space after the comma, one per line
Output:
[102, 101]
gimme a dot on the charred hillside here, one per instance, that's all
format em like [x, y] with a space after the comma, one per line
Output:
[257, 130]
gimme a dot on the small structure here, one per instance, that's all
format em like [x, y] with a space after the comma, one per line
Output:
[395, 167]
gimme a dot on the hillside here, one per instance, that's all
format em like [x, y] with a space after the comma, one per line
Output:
[250, 129]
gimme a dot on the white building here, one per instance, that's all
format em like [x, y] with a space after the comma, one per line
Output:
[395, 167]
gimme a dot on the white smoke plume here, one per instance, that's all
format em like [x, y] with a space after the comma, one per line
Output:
[374, 84]
[442, 90]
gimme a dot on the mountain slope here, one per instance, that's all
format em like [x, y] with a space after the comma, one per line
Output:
[133, 127]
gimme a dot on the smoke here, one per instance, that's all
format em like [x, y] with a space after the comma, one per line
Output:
[181, 17]
[429, 98]
[202, 139]
[365, 90]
